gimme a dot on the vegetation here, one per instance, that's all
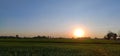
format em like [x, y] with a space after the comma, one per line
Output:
[59, 47]
[111, 35]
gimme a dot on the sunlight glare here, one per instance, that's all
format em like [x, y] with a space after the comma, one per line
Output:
[78, 33]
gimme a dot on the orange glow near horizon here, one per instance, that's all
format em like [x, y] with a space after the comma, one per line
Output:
[78, 33]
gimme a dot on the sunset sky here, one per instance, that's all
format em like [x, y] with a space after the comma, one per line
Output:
[59, 17]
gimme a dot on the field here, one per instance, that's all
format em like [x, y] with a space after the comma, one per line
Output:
[59, 47]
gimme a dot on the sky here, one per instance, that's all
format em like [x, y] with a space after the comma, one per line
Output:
[59, 17]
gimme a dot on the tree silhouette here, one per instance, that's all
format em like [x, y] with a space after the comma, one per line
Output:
[111, 35]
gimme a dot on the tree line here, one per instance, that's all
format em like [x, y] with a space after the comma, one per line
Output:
[108, 36]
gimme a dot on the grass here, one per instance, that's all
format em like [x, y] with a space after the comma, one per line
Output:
[59, 47]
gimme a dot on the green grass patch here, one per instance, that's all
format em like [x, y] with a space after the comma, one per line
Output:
[59, 47]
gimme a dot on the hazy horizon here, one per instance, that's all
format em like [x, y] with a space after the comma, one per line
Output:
[59, 17]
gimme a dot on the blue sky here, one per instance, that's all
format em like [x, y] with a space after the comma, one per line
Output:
[59, 17]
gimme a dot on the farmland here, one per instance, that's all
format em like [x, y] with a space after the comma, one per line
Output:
[59, 47]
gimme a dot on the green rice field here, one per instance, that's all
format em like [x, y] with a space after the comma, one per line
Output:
[59, 47]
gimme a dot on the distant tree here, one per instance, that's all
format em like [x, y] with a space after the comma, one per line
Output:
[17, 36]
[111, 35]
[95, 38]
[41, 37]
[114, 36]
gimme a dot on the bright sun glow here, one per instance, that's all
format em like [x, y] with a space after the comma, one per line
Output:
[78, 33]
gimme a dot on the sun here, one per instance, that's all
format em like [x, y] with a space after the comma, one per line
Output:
[78, 33]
